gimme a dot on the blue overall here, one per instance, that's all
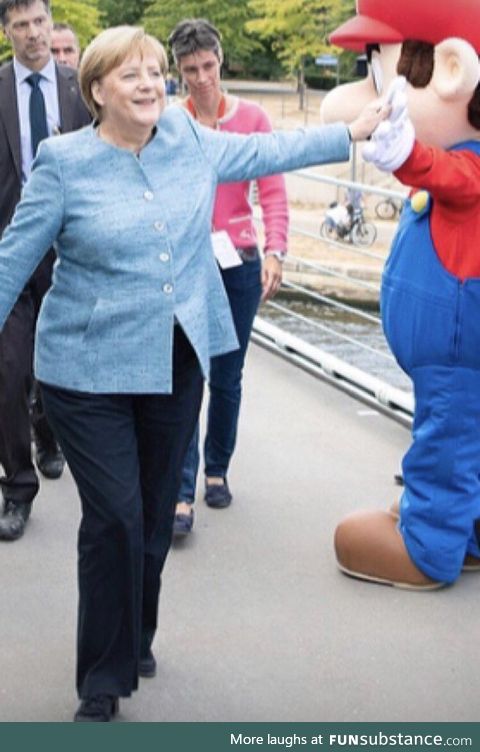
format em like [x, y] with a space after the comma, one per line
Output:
[431, 320]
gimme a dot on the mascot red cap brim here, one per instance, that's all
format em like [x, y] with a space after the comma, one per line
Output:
[393, 21]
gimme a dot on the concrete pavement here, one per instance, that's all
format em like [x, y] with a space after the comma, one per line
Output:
[256, 623]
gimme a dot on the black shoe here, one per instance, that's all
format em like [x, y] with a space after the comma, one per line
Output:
[50, 461]
[97, 709]
[147, 666]
[183, 524]
[14, 519]
[218, 496]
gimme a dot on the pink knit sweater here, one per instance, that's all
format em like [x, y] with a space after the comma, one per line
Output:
[233, 211]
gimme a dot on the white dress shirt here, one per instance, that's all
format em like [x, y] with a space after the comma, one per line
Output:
[48, 85]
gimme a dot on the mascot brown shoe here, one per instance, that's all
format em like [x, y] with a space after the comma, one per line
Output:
[370, 547]
[470, 563]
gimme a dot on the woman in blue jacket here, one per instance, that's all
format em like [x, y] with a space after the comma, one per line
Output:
[126, 332]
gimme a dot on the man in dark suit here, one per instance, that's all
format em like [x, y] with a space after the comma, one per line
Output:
[32, 107]
[65, 46]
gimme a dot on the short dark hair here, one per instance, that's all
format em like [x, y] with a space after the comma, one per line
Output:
[417, 63]
[194, 34]
[7, 5]
[58, 26]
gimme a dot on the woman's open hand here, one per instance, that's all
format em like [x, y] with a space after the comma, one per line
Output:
[370, 117]
[392, 142]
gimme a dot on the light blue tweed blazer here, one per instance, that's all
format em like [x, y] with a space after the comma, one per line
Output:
[133, 242]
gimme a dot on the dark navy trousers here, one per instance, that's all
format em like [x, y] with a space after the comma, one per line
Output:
[17, 414]
[125, 452]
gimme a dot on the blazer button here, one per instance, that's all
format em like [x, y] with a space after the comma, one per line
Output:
[148, 196]
[164, 257]
[168, 289]
[159, 226]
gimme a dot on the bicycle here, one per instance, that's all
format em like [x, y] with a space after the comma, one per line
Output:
[350, 227]
[389, 208]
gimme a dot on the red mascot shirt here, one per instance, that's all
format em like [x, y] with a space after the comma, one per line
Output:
[453, 179]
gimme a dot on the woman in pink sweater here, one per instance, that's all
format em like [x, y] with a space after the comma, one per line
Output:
[198, 55]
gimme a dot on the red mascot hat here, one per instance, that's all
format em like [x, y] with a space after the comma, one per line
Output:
[393, 21]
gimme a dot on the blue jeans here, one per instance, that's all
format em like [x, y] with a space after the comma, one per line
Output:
[244, 288]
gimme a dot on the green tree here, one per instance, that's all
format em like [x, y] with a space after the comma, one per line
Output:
[296, 29]
[117, 12]
[346, 57]
[83, 15]
[345, 10]
[229, 17]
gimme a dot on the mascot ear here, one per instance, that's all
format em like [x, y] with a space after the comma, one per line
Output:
[457, 72]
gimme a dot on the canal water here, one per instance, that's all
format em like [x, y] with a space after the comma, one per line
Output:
[347, 336]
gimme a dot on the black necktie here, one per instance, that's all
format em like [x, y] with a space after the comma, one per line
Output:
[38, 114]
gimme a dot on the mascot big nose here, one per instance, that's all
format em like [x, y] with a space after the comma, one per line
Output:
[430, 299]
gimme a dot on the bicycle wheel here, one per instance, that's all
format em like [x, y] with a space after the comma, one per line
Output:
[327, 231]
[386, 209]
[364, 233]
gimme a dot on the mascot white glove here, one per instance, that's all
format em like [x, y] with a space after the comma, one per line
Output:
[392, 141]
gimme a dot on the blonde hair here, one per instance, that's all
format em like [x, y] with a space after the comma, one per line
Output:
[109, 50]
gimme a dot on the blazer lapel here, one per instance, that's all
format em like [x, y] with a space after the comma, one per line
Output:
[9, 114]
[67, 99]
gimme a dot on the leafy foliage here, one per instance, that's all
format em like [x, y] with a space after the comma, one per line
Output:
[117, 12]
[259, 36]
[83, 15]
[229, 17]
[296, 29]
[348, 59]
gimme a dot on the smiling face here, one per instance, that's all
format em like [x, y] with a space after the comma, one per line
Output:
[201, 73]
[28, 28]
[438, 121]
[131, 97]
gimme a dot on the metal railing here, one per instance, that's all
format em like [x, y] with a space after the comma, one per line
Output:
[345, 373]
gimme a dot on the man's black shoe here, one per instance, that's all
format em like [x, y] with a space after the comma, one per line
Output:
[14, 519]
[50, 461]
[98, 709]
[147, 666]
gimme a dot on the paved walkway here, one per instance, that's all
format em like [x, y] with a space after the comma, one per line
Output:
[256, 622]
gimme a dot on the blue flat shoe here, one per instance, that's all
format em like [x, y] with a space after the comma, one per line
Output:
[183, 524]
[217, 496]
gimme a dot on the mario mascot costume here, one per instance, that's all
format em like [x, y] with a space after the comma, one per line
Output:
[424, 59]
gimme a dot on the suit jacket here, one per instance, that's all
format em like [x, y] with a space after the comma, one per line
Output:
[132, 236]
[73, 115]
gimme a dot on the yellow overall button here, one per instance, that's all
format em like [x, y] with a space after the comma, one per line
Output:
[419, 201]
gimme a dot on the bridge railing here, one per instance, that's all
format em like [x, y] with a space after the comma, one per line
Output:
[328, 334]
